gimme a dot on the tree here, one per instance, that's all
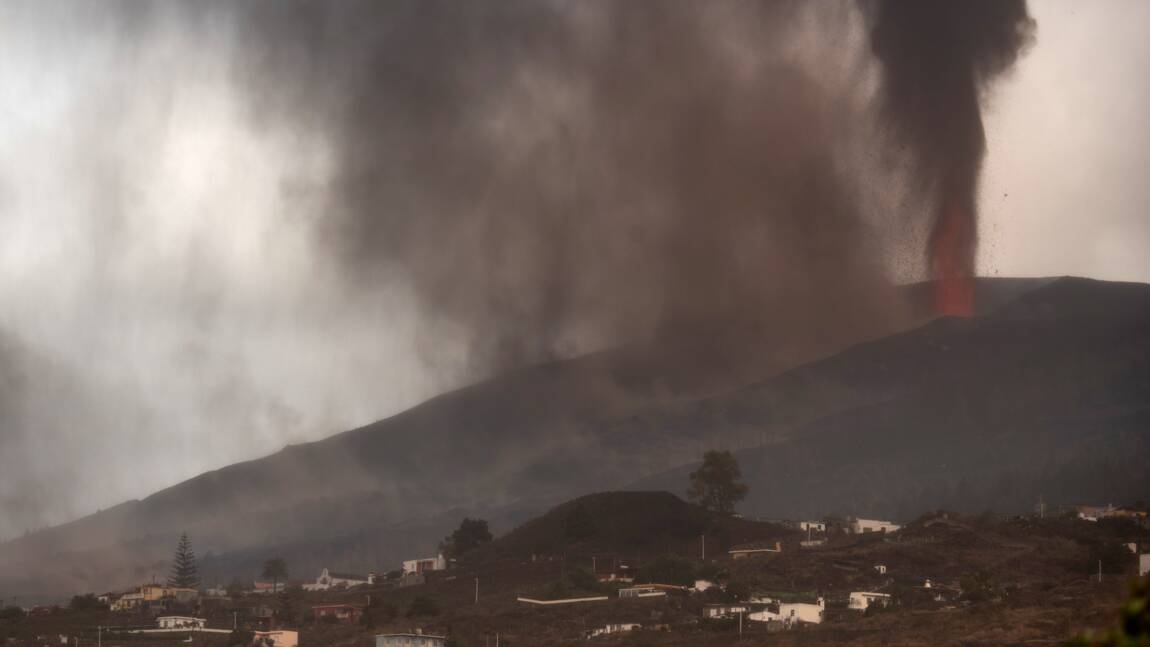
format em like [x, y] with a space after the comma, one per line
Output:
[184, 573]
[470, 534]
[718, 483]
[276, 570]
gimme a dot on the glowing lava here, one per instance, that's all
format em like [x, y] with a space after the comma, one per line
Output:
[952, 245]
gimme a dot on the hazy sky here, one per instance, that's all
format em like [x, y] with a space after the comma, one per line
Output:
[165, 310]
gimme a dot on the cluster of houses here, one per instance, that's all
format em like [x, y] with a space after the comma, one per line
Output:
[1110, 511]
[778, 613]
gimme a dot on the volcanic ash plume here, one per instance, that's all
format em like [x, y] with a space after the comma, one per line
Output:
[938, 57]
[552, 177]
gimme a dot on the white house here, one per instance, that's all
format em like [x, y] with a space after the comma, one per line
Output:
[861, 526]
[416, 566]
[880, 569]
[180, 622]
[330, 580]
[276, 638]
[792, 612]
[860, 600]
[1143, 564]
[417, 639]
[723, 610]
[614, 629]
[813, 526]
[703, 585]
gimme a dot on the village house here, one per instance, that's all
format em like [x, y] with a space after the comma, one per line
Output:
[275, 638]
[723, 610]
[268, 588]
[339, 613]
[880, 569]
[862, 526]
[609, 568]
[1144, 564]
[813, 526]
[180, 622]
[420, 566]
[792, 613]
[862, 600]
[702, 585]
[613, 629]
[153, 596]
[417, 639]
[756, 548]
[331, 580]
[1094, 512]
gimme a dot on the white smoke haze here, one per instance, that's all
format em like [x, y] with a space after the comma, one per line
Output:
[165, 311]
[193, 265]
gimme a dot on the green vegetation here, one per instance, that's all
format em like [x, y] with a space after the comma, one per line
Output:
[184, 573]
[718, 483]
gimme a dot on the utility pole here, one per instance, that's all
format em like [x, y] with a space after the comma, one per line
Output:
[99, 636]
[740, 625]
[1099, 571]
[703, 539]
[477, 590]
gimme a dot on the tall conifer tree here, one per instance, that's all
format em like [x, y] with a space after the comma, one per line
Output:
[184, 573]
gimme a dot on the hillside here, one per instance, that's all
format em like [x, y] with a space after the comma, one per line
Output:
[994, 581]
[1049, 385]
[627, 523]
[1049, 396]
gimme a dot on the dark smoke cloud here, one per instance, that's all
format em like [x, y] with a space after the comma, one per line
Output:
[550, 177]
[937, 59]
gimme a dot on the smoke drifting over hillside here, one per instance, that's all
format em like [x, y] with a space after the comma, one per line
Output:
[269, 204]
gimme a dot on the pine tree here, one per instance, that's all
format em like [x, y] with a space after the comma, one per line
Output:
[184, 573]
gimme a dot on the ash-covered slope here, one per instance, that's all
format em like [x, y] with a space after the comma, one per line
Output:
[510, 447]
[1048, 397]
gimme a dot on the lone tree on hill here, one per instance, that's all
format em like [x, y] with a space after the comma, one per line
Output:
[471, 533]
[184, 573]
[275, 569]
[718, 483]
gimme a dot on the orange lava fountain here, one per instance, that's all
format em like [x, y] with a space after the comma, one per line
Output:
[952, 245]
